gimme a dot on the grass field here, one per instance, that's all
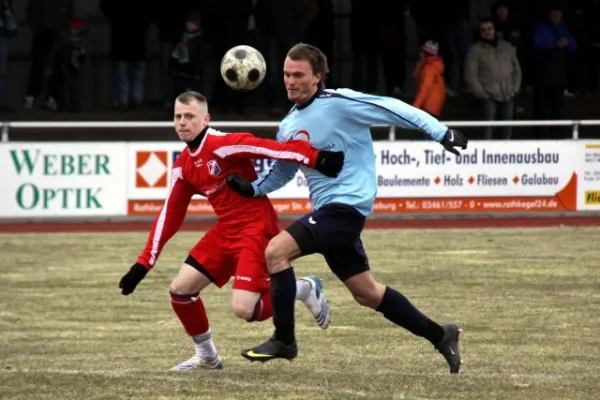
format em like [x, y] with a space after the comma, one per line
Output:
[528, 301]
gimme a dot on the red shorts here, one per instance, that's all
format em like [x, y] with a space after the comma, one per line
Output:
[243, 258]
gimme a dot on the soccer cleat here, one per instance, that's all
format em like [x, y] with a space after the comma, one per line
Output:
[316, 302]
[270, 350]
[197, 362]
[448, 347]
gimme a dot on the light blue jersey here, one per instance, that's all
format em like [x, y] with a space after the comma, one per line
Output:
[339, 120]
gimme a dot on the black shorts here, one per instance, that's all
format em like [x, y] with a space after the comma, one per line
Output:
[333, 231]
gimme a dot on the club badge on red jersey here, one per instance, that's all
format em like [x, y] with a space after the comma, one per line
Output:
[213, 168]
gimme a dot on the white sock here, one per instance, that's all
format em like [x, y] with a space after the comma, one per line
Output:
[303, 288]
[205, 348]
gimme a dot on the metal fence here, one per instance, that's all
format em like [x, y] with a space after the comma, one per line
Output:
[6, 126]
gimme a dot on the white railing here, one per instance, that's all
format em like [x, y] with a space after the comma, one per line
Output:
[6, 126]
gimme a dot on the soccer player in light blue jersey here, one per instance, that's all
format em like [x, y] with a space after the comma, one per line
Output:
[338, 120]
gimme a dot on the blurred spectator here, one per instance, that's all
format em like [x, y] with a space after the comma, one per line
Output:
[64, 64]
[591, 51]
[574, 20]
[552, 42]
[377, 32]
[320, 29]
[393, 57]
[281, 24]
[504, 23]
[447, 23]
[129, 22]
[187, 60]
[8, 29]
[363, 40]
[47, 18]
[493, 75]
[234, 15]
[431, 89]
[169, 17]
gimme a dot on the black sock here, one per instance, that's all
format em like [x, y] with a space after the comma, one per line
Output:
[398, 309]
[283, 297]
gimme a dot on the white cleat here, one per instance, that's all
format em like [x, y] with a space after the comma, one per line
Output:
[197, 362]
[316, 303]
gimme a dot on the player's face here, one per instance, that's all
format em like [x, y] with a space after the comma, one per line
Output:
[190, 119]
[300, 81]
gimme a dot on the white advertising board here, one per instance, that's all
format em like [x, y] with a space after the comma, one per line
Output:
[62, 179]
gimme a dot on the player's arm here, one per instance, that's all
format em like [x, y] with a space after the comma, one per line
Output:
[288, 156]
[248, 146]
[373, 110]
[165, 225]
[276, 177]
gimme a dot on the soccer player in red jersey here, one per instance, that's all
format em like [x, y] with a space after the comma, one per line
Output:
[235, 246]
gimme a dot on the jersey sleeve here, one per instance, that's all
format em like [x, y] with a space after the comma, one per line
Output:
[169, 219]
[274, 178]
[372, 110]
[248, 146]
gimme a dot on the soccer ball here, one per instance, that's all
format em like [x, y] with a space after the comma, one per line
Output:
[243, 68]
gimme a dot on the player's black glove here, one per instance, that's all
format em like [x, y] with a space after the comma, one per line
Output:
[330, 163]
[454, 138]
[130, 280]
[240, 185]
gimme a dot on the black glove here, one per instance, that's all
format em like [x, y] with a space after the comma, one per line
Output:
[330, 163]
[240, 185]
[453, 138]
[130, 280]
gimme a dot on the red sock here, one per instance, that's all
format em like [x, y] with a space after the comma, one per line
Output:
[263, 309]
[190, 311]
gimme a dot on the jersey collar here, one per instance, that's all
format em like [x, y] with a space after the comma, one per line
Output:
[309, 102]
[197, 141]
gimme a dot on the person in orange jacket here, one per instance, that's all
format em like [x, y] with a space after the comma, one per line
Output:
[431, 88]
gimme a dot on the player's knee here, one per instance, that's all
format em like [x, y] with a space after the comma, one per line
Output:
[177, 287]
[366, 292]
[243, 310]
[189, 280]
[181, 286]
[276, 258]
[280, 251]
[366, 300]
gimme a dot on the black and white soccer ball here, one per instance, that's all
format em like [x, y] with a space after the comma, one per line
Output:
[243, 68]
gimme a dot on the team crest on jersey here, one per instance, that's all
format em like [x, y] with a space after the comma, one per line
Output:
[213, 168]
[302, 134]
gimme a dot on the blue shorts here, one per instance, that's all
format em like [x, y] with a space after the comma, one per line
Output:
[334, 231]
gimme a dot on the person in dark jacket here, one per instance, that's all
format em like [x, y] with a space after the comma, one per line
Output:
[188, 57]
[552, 43]
[8, 29]
[47, 19]
[129, 23]
[64, 65]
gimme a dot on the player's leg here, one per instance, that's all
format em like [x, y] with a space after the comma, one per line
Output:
[251, 294]
[203, 266]
[188, 306]
[296, 241]
[309, 290]
[349, 263]
[254, 306]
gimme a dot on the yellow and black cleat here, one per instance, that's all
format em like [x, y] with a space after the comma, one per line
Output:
[270, 350]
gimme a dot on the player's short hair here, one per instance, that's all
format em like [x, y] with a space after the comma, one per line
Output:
[190, 96]
[315, 57]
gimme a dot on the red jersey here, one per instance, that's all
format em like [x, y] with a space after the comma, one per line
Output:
[202, 170]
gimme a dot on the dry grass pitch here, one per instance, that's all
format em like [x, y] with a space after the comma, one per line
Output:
[528, 301]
